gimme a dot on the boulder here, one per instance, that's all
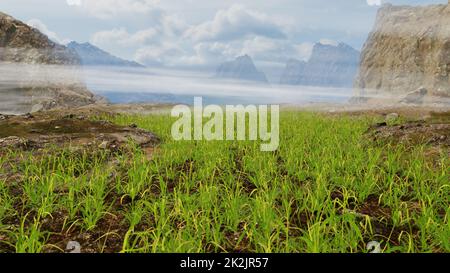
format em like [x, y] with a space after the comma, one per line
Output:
[415, 97]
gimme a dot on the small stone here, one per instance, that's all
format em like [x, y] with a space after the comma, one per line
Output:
[426, 117]
[73, 247]
[392, 117]
[380, 124]
[70, 116]
[415, 97]
[103, 145]
[29, 116]
[133, 125]
[374, 247]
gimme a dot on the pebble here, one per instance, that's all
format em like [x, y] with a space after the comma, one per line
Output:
[73, 247]
[374, 247]
[392, 117]
[29, 116]
[103, 145]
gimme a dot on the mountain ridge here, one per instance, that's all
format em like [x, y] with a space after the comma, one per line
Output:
[94, 56]
[329, 65]
[242, 68]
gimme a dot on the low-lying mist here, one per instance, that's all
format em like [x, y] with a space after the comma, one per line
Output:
[141, 85]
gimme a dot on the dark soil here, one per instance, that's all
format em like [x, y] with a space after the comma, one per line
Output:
[414, 133]
[30, 132]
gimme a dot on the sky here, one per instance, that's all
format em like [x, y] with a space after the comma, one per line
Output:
[204, 33]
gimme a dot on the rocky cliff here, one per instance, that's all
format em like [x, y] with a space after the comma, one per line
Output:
[329, 65]
[36, 73]
[408, 50]
[243, 69]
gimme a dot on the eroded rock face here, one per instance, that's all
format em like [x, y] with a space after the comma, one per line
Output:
[36, 73]
[329, 65]
[294, 73]
[408, 49]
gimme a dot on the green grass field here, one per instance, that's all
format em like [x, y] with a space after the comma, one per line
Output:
[327, 189]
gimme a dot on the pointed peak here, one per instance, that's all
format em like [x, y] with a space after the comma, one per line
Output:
[77, 44]
[245, 57]
[344, 45]
[295, 61]
[318, 47]
[93, 55]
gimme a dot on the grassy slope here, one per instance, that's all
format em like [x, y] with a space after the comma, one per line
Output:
[325, 190]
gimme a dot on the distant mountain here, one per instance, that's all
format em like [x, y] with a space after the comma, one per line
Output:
[242, 68]
[294, 72]
[329, 65]
[93, 56]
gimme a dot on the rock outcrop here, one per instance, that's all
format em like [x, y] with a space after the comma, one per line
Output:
[242, 69]
[93, 56]
[329, 65]
[36, 73]
[294, 73]
[408, 50]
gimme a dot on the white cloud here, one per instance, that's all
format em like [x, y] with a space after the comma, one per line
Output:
[261, 49]
[304, 51]
[270, 50]
[146, 43]
[212, 53]
[325, 41]
[74, 2]
[39, 25]
[374, 2]
[121, 37]
[165, 54]
[235, 23]
[232, 32]
[108, 9]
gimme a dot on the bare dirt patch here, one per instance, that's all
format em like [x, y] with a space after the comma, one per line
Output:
[413, 133]
[34, 132]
